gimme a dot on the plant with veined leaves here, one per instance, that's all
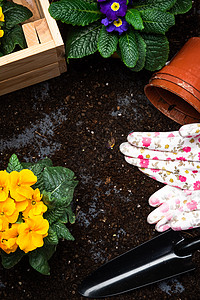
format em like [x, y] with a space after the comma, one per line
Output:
[134, 29]
[35, 204]
[11, 33]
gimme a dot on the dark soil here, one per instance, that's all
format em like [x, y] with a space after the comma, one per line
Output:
[73, 119]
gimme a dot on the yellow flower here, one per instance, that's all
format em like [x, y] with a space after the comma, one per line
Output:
[1, 32]
[35, 205]
[32, 232]
[9, 238]
[8, 212]
[20, 183]
[1, 15]
[4, 180]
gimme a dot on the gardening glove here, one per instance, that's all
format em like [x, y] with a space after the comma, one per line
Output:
[176, 209]
[169, 157]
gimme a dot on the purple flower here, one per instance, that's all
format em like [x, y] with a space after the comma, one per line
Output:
[120, 25]
[114, 9]
[101, 0]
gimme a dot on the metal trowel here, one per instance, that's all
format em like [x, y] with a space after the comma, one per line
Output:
[164, 256]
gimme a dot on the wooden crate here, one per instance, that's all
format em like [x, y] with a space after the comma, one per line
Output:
[43, 59]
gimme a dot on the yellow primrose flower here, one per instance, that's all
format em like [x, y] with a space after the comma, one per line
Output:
[32, 232]
[35, 205]
[9, 238]
[4, 180]
[1, 15]
[20, 183]
[8, 212]
[1, 32]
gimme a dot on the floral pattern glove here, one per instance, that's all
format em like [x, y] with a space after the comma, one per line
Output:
[172, 158]
[176, 209]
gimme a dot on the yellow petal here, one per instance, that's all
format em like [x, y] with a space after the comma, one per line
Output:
[27, 177]
[21, 205]
[25, 191]
[37, 239]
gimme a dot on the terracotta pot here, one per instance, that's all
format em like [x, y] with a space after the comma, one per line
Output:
[175, 89]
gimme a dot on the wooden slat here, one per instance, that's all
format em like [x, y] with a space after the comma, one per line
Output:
[56, 35]
[28, 59]
[29, 78]
[43, 31]
[30, 34]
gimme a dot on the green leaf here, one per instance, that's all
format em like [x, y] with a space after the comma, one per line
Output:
[1, 54]
[38, 258]
[157, 51]
[133, 17]
[162, 5]
[60, 182]
[82, 41]
[75, 12]
[14, 164]
[11, 39]
[10, 260]
[51, 238]
[70, 214]
[53, 215]
[128, 49]
[142, 53]
[107, 42]
[15, 14]
[62, 231]
[181, 7]
[156, 21]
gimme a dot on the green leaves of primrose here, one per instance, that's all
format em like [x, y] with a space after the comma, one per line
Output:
[82, 41]
[107, 42]
[12, 38]
[76, 12]
[143, 45]
[128, 49]
[15, 14]
[13, 35]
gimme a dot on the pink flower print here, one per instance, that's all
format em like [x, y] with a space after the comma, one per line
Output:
[146, 142]
[155, 170]
[155, 158]
[177, 201]
[187, 149]
[144, 163]
[181, 158]
[187, 192]
[178, 228]
[164, 208]
[199, 140]
[140, 156]
[197, 185]
[199, 155]
[171, 135]
[154, 201]
[156, 133]
[168, 158]
[195, 171]
[192, 205]
[183, 178]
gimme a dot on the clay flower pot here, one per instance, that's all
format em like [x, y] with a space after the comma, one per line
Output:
[175, 89]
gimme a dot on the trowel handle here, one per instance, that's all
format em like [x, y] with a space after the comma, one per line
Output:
[187, 246]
